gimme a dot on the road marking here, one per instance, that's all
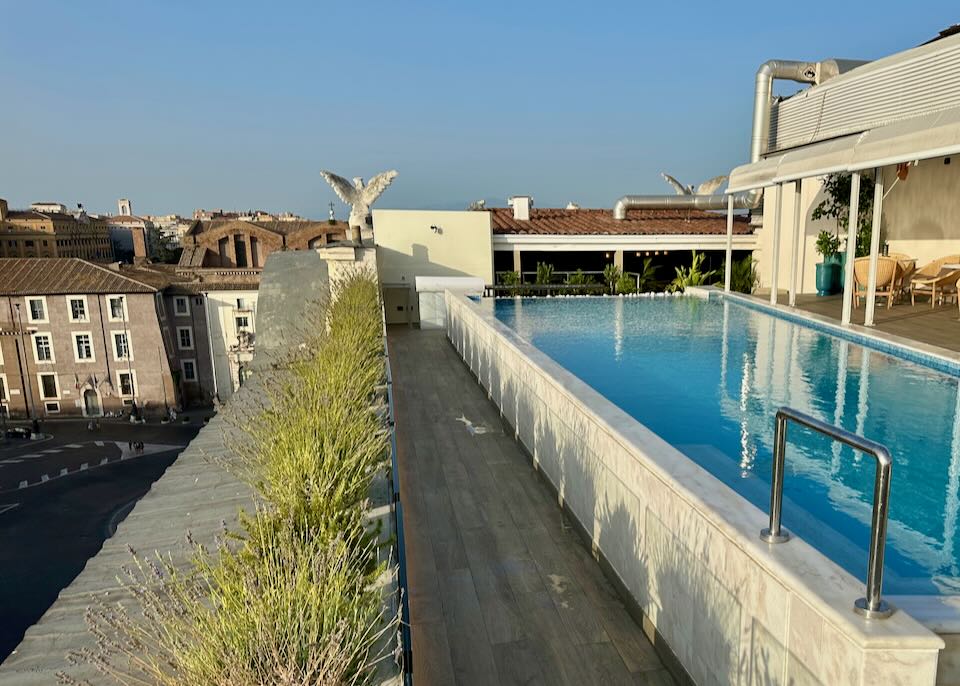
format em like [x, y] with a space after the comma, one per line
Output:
[73, 445]
[99, 444]
[50, 451]
[30, 455]
[125, 454]
[10, 461]
[7, 508]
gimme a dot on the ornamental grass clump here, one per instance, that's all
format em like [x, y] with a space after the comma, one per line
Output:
[313, 453]
[278, 608]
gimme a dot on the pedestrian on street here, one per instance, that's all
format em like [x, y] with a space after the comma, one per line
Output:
[130, 446]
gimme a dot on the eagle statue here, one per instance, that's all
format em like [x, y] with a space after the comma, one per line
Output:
[706, 188]
[359, 196]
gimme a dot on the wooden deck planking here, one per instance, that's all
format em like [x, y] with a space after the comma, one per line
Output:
[939, 326]
[501, 589]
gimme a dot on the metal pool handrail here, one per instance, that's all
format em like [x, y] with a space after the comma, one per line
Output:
[872, 606]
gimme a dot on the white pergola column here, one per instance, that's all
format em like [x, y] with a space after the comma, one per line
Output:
[729, 257]
[874, 247]
[795, 243]
[851, 248]
[775, 264]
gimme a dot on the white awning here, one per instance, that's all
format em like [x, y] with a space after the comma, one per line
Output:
[933, 135]
[756, 175]
[818, 159]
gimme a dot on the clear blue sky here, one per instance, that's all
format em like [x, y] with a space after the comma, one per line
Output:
[182, 104]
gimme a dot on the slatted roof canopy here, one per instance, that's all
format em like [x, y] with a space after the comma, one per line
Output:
[933, 135]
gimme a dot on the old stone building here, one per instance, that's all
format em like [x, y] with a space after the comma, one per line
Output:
[77, 338]
[49, 230]
[245, 244]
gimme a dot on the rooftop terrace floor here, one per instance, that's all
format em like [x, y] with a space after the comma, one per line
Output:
[939, 326]
[502, 591]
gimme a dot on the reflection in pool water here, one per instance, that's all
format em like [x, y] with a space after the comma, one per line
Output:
[708, 376]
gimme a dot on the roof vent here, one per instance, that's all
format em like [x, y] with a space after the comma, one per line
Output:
[521, 205]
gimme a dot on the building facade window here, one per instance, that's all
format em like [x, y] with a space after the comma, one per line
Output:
[77, 307]
[181, 306]
[3, 388]
[189, 368]
[43, 347]
[37, 310]
[121, 346]
[49, 386]
[52, 408]
[83, 346]
[242, 322]
[185, 337]
[126, 382]
[118, 308]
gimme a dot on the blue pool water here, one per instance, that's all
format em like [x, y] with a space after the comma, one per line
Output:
[708, 376]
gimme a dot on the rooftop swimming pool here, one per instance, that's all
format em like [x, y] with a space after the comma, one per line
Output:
[708, 375]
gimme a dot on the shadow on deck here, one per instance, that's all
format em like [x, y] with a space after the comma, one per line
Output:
[502, 591]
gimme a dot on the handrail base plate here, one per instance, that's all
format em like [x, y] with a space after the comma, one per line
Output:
[768, 537]
[882, 612]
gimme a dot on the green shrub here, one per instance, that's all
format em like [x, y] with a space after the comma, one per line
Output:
[544, 273]
[692, 275]
[626, 284]
[828, 244]
[510, 278]
[611, 275]
[645, 279]
[743, 275]
[578, 278]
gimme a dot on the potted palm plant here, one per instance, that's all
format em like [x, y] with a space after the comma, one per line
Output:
[828, 271]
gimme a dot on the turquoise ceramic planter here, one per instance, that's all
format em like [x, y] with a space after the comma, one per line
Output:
[828, 278]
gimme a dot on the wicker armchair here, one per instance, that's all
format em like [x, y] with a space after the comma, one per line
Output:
[888, 278]
[908, 265]
[933, 280]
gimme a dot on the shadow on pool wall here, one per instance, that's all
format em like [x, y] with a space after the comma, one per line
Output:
[675, 540]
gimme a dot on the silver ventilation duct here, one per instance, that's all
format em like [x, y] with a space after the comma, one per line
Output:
[787, 70]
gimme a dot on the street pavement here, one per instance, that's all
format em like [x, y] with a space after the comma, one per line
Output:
[60, 498]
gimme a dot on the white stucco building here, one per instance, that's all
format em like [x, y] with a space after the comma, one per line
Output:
[895, 121]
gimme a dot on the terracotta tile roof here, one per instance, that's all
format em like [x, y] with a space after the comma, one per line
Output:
[63, 275]
[584, 222]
